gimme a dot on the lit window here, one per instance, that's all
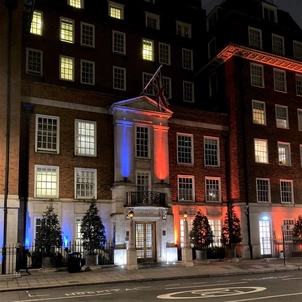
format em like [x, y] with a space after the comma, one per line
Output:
[284, 154]
[286, 190]
[299, 112]
[152, 20]
[288, 224]
[46, 181]
[116, 10]
[182, 229]
[280, 80]
[281, 116]
[34, 59]
[185, 188]
[213, 85]
[66, 68]
[185, 149]
[147, 50]
[164, 53]
[67, 30]
[167, 85]
[297, 50]
[187, 59]
[216, 230]
[119, 78]
[142, 142]
[36, 23]
[257, 78]
[212, 189]
[263, 190]
[119, 42]
[79, 221]
[85, 138]
[299, 84]
[278, 44]
[259, 114]
[261, 152]
[146, 78]
[85, 183]
[87, 34]
[269, 12]
[188, 92]
[211, 151]
[87, 72]
[183, 29]
[76, 3]
[255, 38]
[47, 133]
[38, 221]
[212, 48]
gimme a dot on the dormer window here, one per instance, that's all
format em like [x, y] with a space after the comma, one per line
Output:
[116, 10]
[183, 29]
[269, 12]
[152, 20]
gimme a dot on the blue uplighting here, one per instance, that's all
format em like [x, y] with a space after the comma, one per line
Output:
[125, 152]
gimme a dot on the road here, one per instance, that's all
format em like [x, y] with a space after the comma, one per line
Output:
[277, 287]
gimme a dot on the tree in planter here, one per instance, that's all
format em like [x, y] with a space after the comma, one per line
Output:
[297, 231]
[201, 235]
[93, 230]
[231, 230]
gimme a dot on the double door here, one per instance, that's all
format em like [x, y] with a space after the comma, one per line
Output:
[145, 241]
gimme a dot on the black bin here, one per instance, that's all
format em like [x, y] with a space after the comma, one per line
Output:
[74, 262]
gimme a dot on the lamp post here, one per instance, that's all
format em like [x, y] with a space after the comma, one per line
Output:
[186, 251]
[131, 251]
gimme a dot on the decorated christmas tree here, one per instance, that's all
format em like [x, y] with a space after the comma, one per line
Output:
[297, 231]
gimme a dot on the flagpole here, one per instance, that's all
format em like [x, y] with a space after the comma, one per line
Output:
[155, 74]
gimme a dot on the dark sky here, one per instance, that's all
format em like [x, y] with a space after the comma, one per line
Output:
[294, 7]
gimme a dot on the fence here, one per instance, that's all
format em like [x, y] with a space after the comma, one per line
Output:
[22, 257]
[291, 248]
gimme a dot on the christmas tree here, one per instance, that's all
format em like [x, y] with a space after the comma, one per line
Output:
[297, 231]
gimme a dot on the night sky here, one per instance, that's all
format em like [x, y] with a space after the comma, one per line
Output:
[294, 7]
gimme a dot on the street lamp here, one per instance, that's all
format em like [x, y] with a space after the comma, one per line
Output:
[131, 214]
[186, 251]
[185, 216]
[131, 251]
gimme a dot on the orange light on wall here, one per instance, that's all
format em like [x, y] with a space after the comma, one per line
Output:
[160, 153]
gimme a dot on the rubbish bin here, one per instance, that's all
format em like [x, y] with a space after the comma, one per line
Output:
[74, 262]
[281, 254]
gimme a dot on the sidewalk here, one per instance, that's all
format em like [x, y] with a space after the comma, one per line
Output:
[34, 279]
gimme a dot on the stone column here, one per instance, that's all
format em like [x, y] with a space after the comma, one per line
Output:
[131, 251]
[186, 251]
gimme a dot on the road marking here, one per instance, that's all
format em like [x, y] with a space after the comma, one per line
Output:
[138, 288]
[35, 295]
[267, 278]
[190, 286]
[267, 297]
[298, 278]
[199, 282]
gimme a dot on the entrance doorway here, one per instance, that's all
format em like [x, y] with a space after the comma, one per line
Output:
[145, 241]
[265, 238]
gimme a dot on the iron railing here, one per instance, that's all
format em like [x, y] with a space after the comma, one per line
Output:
[146, 198]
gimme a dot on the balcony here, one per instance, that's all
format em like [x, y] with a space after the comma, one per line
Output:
[148, 198]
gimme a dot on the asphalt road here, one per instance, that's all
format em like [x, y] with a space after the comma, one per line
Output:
[277, 287]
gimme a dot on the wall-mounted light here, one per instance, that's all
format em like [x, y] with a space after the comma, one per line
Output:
[131, 214]
[185, 215]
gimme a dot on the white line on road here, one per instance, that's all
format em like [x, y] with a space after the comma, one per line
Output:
[190, 286]
[298, 278]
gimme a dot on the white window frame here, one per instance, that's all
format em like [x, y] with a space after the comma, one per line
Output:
[57, 138]
[122, 80]
[297, 49]
[260, 78]
[268, 191]
[216, 229]
[208, 188]
[284, 158]
[254, 33]
[276, 48]
[291, 192]
[281, 121]
[168, 90]
[299, 84]
[67, 31]
[146, 49]
[187, 59]
[273, 9]
[138, 153]
[72, 74]
[164, 54]
[261, 156]
[280, 82]
[154, 17]
[123, 45]
[186, 150]
[36, 27]
[183, 29]
[94, 190]
[145, 79]
[35, 226]
[92, 27]
[47, 184]
[117, 6]
[182, 199]
[77, 145]
[211, 152]
[78, 234]
[299, 113]
[259, 115]
[33, 72]
[76, 3]
[92, 64]
[185, 94]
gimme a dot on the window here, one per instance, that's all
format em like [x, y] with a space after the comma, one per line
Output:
[183, 29]
[38, 221]
[297, 50]
[66, 68]
[119, 78]
[299, 84]
[280, 80]
[211, 151]
[34, 59]
[142, 142]
[85, 183]
[67, 30]
[281, 116]
[116, 10]
[164, 53]
[147, 50]
[261, 152]
[255, 37]
[284, 154]
[216, 229]
[87, 72]
[36, 23]
[212, 189]
[288, 224]
[76, 3]
[187, 59]
[277, 44]
[185, 188]
[119, 42]
[269, 12]
[47, 133]
[184, 148]
[78, 233]
[142, 182]
[257, 78]
[263, 190]
[259, 114]
[188, 92]
[46, 181]
[213, 85]
[286, 190]
[212, 19]
[299, 112]
[212, 48]
[152, 20]
[182, 229]
[146, 78]
[85, 138]
[87, 34]
[167, 85]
